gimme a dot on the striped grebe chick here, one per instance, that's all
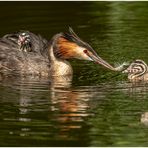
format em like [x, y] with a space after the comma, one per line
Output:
[137, 71]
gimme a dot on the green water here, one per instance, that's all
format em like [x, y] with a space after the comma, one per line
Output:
[99, 107]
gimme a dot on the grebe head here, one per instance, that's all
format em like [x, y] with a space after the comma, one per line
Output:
[69, 45]
[136, 69]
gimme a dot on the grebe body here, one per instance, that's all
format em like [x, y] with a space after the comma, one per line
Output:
[26, 53]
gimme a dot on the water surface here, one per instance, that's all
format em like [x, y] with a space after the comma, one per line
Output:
[99, 107]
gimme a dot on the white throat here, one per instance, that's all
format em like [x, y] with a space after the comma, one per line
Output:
[59, 67]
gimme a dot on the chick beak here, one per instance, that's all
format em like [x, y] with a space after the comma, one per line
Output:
[99, 60]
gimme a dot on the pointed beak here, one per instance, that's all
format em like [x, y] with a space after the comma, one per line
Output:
[99, 60]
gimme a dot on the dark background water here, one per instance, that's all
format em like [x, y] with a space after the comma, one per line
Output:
[99, 107]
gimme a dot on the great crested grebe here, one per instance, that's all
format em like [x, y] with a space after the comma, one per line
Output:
[25, 53]
[137, 71]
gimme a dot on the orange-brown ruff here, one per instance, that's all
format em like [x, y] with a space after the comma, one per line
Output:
[66, 48]
[137, 71]
[44, 58]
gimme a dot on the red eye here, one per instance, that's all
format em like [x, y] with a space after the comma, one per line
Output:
[85, 51]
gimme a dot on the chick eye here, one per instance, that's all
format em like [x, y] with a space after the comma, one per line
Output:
[85, 51]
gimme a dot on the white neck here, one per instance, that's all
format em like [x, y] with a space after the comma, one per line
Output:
[59, 67]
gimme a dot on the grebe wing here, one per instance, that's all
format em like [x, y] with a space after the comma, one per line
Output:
[12, 58]
[27, 41]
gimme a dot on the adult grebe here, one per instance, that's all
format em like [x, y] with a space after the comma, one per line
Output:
[137, 71]
[25, 53]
